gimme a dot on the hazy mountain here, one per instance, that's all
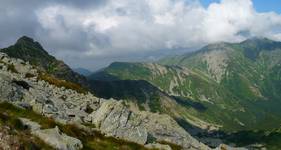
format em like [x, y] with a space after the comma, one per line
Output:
[83, 71]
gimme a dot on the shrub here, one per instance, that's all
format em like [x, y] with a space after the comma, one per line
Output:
[29, 75]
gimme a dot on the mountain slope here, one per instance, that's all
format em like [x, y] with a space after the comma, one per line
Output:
[238, 84]
[29, 50]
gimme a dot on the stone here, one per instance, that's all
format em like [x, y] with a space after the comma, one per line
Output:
[113, 120]
[53, 137]
[33, 126]
[158, 146]
[226, 147]
[59, 140]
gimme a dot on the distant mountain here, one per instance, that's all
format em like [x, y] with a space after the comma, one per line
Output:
[29, 50]
[83, 71]
[237, 86]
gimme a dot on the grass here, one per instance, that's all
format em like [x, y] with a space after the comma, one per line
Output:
[61, 83]
[91, 141]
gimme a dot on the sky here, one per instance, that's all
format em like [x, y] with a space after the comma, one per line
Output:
[93, 33]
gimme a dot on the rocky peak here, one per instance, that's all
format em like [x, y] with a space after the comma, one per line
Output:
[29, 50]
[27, 41]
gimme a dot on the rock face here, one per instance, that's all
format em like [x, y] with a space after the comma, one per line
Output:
[53, 137]
[111, 117]
[115, 119]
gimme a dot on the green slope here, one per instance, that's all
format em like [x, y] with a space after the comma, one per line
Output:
[237, 84]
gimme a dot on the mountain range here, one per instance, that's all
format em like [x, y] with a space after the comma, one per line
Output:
[236, 86]
[222, 93]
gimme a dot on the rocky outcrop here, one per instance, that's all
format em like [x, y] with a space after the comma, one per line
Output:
[53, 137]
[226, 147]
[111, 117]
[58, 139]
[158, 146]
[115, 119]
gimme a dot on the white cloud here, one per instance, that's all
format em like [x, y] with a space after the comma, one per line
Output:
[132, 27]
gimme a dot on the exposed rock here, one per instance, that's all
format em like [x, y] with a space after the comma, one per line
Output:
[226, 147]
[158, 146]
[58, 139]
[53, 137]
[33, 126]
[115, 119]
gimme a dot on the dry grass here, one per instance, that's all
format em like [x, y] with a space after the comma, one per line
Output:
[61, 83]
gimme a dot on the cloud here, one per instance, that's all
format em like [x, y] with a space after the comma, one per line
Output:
[102, 31]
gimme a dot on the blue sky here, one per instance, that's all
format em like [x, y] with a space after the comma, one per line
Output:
[260, 5]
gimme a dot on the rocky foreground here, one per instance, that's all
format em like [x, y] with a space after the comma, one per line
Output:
[22, 85]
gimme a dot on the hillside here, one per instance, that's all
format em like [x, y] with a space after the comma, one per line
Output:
[237, 84]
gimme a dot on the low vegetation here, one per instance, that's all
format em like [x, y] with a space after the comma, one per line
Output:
[61, 83]
[95, 140]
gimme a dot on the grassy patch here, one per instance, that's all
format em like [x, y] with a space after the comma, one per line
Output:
[61, 83]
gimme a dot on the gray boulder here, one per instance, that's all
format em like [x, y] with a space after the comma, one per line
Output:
[59, 140]
[114, 119]
[53, 137]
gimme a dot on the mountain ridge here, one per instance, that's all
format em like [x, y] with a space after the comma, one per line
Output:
[222, 77]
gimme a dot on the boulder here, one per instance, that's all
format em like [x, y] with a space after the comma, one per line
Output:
[226, 147]
[158, 146]
[114, 119]
[53, 137]
[59, 140]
